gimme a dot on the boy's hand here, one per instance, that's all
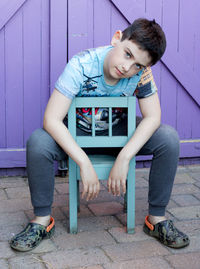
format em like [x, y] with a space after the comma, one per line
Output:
[90, 182]
[118, 175]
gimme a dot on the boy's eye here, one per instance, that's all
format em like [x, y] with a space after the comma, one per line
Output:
[128, 54]
[138, 66]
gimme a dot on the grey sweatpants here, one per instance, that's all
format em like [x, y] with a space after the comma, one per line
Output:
[42, 151]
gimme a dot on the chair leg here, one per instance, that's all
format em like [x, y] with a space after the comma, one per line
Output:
[125, 200]
[78, 195]
[73, 227]
[131, 198]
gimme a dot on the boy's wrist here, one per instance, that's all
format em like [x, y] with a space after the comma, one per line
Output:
[84, 162]
[124, 156]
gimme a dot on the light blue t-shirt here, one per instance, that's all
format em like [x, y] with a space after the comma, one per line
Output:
[83, 76]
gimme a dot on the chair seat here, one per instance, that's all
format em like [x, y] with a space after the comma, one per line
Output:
[102, 165]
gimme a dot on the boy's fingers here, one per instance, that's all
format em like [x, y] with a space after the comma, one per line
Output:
[109, 185]
[113, 187]
[90, 193]
[124, 186]
[97, 189]
[94, 192]
[85, 190]
[118, 188]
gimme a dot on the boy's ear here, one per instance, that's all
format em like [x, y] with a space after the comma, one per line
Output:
[116, 37]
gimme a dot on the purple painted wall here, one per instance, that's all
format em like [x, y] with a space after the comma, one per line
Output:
[37, 37]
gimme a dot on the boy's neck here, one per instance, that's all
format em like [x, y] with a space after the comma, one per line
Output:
[109, 80]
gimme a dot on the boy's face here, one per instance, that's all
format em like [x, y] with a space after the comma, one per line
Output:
[124, 60]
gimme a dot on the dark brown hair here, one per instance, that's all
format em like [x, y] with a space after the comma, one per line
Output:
[149, 36]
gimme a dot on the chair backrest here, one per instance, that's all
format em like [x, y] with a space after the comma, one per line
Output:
[102, 102]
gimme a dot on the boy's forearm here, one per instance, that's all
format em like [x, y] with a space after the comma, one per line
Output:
[143, 132]
[63, 137]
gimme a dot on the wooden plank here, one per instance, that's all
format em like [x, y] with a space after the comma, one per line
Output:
[184, 115]
[102, 38]
[45, 57]
[174, 61]
[32, 66]
[58, 39]
[8, 9]
[118, 22]
[171, 22]
[130, 9]
[2, 91]
[14, 81]
[168, 98]
[153, 10]
[80, 21]
[190, 149]
[196, 19]
[10, 158]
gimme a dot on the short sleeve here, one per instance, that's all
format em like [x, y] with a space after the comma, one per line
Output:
[70, 81]
[146, 86]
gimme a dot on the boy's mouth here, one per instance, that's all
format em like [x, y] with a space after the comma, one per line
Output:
[119, 72]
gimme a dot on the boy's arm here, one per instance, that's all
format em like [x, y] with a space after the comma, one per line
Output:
[151, 113]
[55, 112]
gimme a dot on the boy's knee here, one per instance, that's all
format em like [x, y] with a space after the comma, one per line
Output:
[36, 141]
[170, 138]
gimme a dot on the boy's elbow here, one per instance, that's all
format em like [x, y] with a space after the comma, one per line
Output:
[47, 123]
[158, 121]
[155, 121]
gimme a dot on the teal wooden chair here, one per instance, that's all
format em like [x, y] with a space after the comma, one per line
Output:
[101, 163]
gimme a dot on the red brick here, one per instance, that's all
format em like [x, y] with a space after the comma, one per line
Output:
[190, 212]
[31, 262]
[11, 182]
[182, 261]
[91, 267]
[83, 240]
[195, 175]
[135, 250]
[185, 200]
[45, 246]
[4, 264]
[121, 236]
[18, 192]
[6, 251]
[8, 219]
[147, 263]
[184, 189]
[139, 217]
[190, 227]
[7, 232]
[62, 188]
[141, 182]
[109, 208]
[183, 178]
[84, 211]
[3, 195]
[75, 258]
[14, 205]
[61, 200]
[97, 223]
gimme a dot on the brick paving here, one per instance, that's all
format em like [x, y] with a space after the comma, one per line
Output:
[102, 241]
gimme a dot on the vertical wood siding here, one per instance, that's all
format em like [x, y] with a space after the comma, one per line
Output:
[41, 35]
[24, 78]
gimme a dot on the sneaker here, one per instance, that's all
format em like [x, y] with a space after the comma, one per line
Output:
[32, 235]
[166, 233]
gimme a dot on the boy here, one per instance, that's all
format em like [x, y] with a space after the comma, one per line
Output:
[120, 69]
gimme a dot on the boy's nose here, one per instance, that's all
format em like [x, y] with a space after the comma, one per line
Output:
[126, 67]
